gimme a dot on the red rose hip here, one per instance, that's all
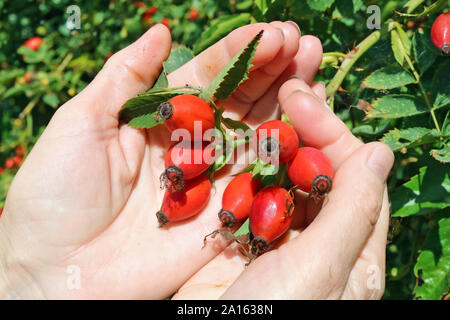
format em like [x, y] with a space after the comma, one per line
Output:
[181, 205]
[183, 111]
[311, 171]
[270, 217]
[184, 161]
[275, 142]
[237, 199]
[33, 43]
[440, 33]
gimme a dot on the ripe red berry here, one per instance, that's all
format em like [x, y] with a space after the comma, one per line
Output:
[18, 160]
[275, 142]
[33, 43]
[152, 10]
[165, 22]
[184, 161]
[28, 77]
[193, 14]
[311, 171]
[139, 4]
[181, 205]
[10, 163]
[19, 151]
[2, 170]
[184, 112]
[270, 217]
[440, 33]
[237, 199]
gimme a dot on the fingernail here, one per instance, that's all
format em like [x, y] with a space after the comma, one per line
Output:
[295, 25]
[380, 161]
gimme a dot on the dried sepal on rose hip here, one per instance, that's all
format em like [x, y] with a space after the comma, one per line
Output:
[237, 199]
[275, 142]
[440, 33]
[184, 204]
[311, 171]
[270, 217]
[184, 112]
[184, 161]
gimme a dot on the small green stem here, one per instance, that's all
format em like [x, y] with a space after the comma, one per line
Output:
[349, 61]
[424, 93]
[427, 11]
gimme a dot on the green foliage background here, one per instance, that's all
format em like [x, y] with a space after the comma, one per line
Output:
[397, 91]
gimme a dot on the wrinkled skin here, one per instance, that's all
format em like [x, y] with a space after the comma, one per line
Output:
[84, 201]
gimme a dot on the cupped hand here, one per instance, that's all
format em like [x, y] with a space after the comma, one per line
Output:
[79, 219]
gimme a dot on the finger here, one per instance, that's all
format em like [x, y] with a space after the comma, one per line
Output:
[320, 90]
[127, 73]
[201, 70]
[267, 107]
[316, 125]
[317, 263]
[367, 278]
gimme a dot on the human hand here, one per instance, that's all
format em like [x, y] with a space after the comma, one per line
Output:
[86, 196]
[335, 250]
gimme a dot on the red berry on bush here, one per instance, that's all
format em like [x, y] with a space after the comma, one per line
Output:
[181, 205]
[237, 199]
[270, 217]
[152, 10]
[311, 171]
[184, 111]
[2, 170]
[10, 163]
[184, 161]
[165, 22]
[19, 151]
[275, 142]
[440, 33]
[28, 77]
[139, 4]
[108, 55]
[33, 43]
[18, 160]
[193, 14]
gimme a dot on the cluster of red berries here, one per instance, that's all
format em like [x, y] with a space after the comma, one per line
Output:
[14, 161]
[269, 208]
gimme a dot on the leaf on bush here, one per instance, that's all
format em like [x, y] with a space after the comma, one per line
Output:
[397, 106]
[422, 54]
[441, 85]
[319, 5]
[433, 263]
[219, 29]
[233, 74]
[390, 77]
[411, 137]
[177, 58]
[268, 10]
[397, 47]
[441, 155]
[51, 99]
[143, 108]
[427, 191]
[244, 229]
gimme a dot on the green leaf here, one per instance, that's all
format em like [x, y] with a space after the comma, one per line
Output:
[235, 124]
[441, 85]
[390, 77]
[441, 155]
[422, 54]
[219, 29]
[397, 47]
[233, 74]
[268, 10]
[433, 263]
[244, 229]
[397, 106]
[426, 192]
[319, 5]
[145, 121]
[406, 42]
[411, 137]
[144, 106]
[51, 99]
[177, 58]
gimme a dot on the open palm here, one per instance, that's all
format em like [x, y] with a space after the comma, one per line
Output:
[85, 198]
